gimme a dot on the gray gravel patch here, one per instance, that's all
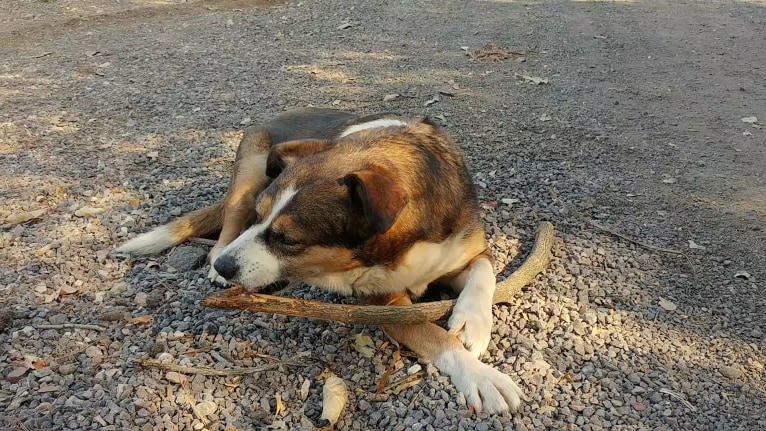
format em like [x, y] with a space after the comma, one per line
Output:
[139, 114]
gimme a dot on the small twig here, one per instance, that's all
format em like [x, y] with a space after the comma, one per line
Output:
[634, 241]
[206, 371]
[45, 54]
[203, 241]
[73, 325]
[679, 398]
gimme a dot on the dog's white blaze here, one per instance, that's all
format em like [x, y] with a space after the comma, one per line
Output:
[258, 267]
[375, 124]
[149, 243]
[422, 264]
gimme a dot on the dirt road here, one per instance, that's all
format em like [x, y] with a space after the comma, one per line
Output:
[638, 128]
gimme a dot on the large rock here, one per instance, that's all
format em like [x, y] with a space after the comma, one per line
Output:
[186, 258]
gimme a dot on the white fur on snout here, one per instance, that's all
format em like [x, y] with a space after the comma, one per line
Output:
[485, 388]
[471, 319]
[258, 266]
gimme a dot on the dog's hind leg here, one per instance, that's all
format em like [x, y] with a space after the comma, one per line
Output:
[247, 182]
[485, 388]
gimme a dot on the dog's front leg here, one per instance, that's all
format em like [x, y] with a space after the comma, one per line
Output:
[485, 388]
[471, 319]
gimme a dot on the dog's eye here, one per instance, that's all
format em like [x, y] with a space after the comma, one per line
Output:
[281, 238]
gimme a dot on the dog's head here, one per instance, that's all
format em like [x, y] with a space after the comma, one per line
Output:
[325, 205]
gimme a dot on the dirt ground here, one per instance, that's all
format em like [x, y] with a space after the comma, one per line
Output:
[639, 145]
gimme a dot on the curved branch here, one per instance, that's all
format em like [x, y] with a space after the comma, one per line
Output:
[237, 299]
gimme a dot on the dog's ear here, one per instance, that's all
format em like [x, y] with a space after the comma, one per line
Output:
[375, 201]
[285, 153]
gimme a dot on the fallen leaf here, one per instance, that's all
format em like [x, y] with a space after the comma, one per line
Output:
[750, 120]
[16, 374]
[364, 345]
[68, 290]
[134, 201]
[305, 389]
[334, 398]
[509, 201]
[153, 154]
[533, 79]
[23, 217]
[694, 246]
[87, 212]
[280, 407]
[669, 180]
[390, 97]
[667, 305]
[743, 275]
[545, 117]
[746, 133]
[141, 320]
[344, 26]
[490, 52]
[389, 371]
[177, 378]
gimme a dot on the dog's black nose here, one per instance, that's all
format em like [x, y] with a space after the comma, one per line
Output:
[226, 266]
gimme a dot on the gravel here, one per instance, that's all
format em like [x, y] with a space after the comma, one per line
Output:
[137, 111]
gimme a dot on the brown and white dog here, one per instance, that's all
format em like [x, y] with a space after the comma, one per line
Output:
[379, 207]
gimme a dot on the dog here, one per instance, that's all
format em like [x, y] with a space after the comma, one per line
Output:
[378, 206]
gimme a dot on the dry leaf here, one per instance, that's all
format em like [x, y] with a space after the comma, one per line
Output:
[279, 410]
[750, 120]
[134, 201]
[334, 397]
[88, 212]
[305, 389]
[669, 180]
[364, 345]
[345, 25]
[545, 117]
[23, 217]
[153, 154]
[390, 97]
[67, 290]
[175, 377]
[744, 275]
[694, 246]
[141, 320]
[667, 305]
[387, 374]
[533, 79]
[16, 374]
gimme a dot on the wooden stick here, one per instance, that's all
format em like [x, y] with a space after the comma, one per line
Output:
[206, 371]
[237, 299]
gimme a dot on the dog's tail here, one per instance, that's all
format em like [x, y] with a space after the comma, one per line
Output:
[202, 222]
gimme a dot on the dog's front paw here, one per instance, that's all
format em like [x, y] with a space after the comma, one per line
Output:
[485, 388]
[213, 276]
[471, 322]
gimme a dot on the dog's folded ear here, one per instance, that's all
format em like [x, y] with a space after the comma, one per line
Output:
[376, 201]
[282, 154]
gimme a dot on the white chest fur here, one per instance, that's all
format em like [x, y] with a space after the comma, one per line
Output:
[424, 263]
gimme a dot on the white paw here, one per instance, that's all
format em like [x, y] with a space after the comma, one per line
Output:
[215, 278]
[471, 322]
[485, 388]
